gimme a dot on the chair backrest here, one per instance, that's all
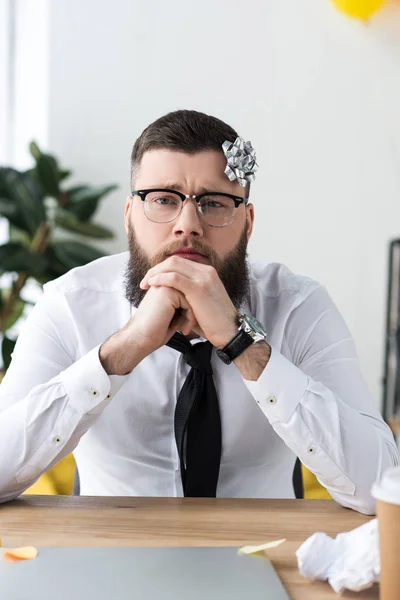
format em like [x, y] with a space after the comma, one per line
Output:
[76, 489]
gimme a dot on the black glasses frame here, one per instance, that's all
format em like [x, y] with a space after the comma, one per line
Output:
[197, 197]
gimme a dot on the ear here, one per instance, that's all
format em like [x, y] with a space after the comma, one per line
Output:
[127, 212]
[249, 219]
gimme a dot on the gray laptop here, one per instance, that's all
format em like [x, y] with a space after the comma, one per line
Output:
[140, 573]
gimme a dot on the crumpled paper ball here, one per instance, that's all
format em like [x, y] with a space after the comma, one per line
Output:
[350, 561]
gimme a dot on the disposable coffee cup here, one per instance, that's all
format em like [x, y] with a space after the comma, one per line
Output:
[387, 495]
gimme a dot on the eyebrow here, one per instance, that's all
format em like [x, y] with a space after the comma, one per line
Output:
[176, 186]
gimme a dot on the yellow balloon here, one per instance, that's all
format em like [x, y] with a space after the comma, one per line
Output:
[359, 8]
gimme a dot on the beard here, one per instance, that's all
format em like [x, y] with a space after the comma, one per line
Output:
[232, 270]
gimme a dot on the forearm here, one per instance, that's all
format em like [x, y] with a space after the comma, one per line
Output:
[39, 429]
[118, 356]
[252, 362]
[31, 446]
[345, 448]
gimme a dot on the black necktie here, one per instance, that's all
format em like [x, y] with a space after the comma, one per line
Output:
[197, 421]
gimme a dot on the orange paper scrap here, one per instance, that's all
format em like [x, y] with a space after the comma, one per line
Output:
[16, 554]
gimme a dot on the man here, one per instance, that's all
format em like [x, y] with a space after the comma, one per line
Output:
[259, 368]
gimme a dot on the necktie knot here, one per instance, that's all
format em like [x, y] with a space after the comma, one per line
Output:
[199, 357]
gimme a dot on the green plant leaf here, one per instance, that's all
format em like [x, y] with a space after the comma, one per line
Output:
[16, 234]
[70, 222]
[8, 209]
[48, 174]
[8, 205]
[32, 174]
[35, 150]
[16, 314]
[15, 257]
[6, 194]
[5, 172]
[74, 254]
[8, 250]
[83, 201]
[7, 348]
[24, 193]
[65, 195]
[64, 174]
[56, 267]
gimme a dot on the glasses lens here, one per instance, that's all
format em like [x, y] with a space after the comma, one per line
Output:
[162, 207]
[217, 210]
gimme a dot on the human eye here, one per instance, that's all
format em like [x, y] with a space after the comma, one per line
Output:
[216, 202]
[162, 198]
[213, 204]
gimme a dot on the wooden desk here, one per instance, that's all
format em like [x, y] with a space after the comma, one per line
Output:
[74, 521]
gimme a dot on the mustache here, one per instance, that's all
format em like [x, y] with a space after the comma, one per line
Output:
[232, 269]
[195, 244]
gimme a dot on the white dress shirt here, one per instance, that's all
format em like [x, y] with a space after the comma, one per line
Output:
[310, 401]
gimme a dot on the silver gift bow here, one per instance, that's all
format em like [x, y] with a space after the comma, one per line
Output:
[241, 161]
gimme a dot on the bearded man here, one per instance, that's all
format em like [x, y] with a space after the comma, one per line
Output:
[181, 368]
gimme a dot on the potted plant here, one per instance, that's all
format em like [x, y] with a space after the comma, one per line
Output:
[39, 205]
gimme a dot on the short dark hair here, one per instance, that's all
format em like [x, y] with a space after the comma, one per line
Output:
[186, 131]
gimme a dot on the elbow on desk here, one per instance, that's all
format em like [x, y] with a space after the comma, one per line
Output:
[11, 490]
[362, 500]
[9, 497]
[362, 503]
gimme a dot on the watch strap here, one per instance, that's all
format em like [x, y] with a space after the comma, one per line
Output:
[236, 347]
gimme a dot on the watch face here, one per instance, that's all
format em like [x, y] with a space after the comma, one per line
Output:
[255, 325]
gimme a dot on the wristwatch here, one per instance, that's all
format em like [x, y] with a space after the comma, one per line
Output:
[250, 332]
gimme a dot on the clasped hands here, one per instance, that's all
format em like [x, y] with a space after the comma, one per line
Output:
[182, 295]
[205, 306]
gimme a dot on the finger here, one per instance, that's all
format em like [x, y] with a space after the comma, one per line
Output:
[175, 325]
[197, 329]
[184, 322]
[171, 280]
[168, 295]
[189, 323]
[184, 266]
[187, 319]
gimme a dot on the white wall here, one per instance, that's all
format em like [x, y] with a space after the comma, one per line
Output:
[5, 77]
[318, 95]
[31, 77]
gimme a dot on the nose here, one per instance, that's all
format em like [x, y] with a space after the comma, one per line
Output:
[188, 222]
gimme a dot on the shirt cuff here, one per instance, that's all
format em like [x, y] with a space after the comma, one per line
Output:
[88, 385]
[279, 389]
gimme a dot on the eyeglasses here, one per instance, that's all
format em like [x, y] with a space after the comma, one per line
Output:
[217, 209]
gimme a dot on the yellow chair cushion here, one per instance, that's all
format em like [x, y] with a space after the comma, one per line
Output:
[58, 480]
[312, 488]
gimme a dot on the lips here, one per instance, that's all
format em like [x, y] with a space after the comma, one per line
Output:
[190, 254]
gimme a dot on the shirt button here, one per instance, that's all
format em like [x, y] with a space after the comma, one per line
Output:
[57, 439]
[94, 392]
[311, 449]
[271, 400]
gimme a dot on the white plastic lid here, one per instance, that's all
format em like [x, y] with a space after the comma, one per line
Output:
[388, 488]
